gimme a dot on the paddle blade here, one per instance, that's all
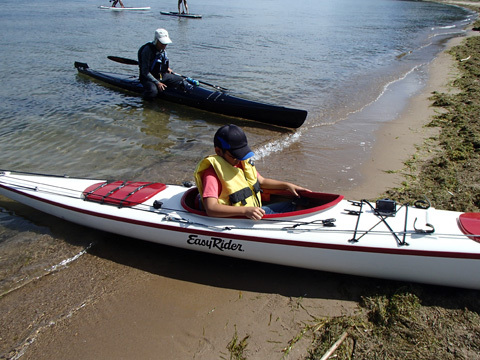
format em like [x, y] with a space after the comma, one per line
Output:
[123, 60]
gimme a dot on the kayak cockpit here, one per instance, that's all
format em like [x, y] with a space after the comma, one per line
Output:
[315, 202]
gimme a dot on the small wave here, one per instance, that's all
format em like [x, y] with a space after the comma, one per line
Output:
[20, 350]
[448, 27]
[452, 33]
[65, 262]
[276, 145]
[320, 124]
[382, 92]
[61, 264]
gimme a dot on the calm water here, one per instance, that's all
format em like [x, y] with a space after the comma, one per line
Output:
[333, 58]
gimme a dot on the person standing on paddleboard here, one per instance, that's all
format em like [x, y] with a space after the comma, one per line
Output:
[184, 5]
[155, 73]
[115, 2]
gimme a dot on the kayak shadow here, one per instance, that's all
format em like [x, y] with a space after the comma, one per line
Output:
[246, 275]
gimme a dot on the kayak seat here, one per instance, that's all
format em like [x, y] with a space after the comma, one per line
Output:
[122, 193]
[191, 201]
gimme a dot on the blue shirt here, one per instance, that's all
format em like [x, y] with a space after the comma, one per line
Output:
[152, 62]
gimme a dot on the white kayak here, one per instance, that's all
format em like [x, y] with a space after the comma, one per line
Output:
[119, 8]
[382, 239]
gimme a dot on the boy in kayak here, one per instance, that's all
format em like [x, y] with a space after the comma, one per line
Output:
[155, 73]
[229, 184]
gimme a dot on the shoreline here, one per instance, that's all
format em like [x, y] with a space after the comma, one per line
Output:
[152, 306]
[398, 140]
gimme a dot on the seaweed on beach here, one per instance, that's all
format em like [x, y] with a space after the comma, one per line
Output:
[236, 347]
[397, 325]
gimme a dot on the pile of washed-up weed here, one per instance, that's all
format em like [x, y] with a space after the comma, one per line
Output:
[414, 322]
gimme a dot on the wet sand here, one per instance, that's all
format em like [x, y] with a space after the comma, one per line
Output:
[126, 299]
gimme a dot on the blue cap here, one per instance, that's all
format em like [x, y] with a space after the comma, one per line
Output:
[232, 138]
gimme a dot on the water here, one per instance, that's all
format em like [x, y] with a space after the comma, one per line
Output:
[345, 61]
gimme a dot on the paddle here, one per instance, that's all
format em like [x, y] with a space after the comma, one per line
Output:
[123, 60]
[135, 62]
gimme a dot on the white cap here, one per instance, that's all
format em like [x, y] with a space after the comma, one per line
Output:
[162, 36]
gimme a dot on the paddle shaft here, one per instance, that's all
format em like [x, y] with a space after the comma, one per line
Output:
[123, 60]
[135, 62]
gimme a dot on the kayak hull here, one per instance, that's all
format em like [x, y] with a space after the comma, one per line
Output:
[214, 101]
[191, 16]
[359, 243]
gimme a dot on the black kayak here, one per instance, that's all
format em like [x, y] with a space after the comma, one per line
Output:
[217, 100]
[171, 13]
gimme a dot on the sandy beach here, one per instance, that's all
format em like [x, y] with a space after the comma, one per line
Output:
[129, 300]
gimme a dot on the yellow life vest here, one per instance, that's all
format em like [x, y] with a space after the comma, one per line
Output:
[240, 187]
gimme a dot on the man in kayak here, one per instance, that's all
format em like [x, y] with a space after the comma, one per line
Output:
[229, 184]
[155, 73]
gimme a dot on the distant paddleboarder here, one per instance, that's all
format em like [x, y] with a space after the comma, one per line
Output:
[184, 5]
[115, 2]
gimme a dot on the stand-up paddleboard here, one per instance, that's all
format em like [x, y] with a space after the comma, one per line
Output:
[124, 8]
[170, 13]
